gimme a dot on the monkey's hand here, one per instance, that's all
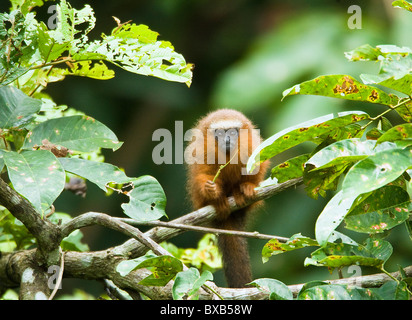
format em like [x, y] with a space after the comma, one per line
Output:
[219, 199]
[248, 189]
[211, 189]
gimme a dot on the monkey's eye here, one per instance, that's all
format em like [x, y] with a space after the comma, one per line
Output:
[233, 132]
[219, 133]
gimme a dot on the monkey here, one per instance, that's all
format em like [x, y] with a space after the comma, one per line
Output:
[228, 136]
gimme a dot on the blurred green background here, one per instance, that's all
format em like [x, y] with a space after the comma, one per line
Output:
[246, 52]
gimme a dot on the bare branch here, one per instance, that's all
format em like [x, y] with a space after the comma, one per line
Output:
[96, 218]
[200, 217]
[245, 234]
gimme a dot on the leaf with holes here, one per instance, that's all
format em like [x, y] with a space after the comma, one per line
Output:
[147, 200]
[315, 130]
[342, 87]
[376, 171]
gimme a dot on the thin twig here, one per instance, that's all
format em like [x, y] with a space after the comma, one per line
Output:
[60, 277]
[245, 234]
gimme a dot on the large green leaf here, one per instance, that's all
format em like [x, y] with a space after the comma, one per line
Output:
[395, 66]
[292, 168]
[381, 210]
[373, 253]
[100, 173]
[376, 171]
[77, 133]
[37, 175]
[274, 247]
[402, 132]
[331, 216]
[163, 268]
[16, 108]
[337, 292]
[342, 87]
[147, 200]
[306, 131]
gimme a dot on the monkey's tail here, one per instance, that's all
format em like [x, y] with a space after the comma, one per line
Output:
[236, 262]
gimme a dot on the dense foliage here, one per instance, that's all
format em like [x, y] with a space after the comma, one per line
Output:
[45, 148]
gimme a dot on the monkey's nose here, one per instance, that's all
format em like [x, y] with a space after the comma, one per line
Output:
[227, 140]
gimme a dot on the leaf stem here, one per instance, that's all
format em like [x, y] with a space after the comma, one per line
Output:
[223, 166]
[401, 103]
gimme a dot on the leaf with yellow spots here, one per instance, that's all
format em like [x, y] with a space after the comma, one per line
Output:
[342, 87]
[306, 131]
[290, 169]
[402, 132]
[372, 253]
[274, 247]
[381, 210]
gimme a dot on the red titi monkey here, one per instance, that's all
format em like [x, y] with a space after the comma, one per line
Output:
[227, 136]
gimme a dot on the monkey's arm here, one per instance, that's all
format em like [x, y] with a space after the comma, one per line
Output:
[209, 192]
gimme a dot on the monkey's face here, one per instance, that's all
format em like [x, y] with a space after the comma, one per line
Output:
[227, 139]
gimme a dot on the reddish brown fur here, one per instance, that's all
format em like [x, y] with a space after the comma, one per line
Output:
[231, 182]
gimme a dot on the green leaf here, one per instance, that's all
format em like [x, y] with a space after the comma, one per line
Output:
[403, 4]
[188, 283]
[274, 247]
[400, 132]
[374, 248]
[364, 53]
[70, 18]
[147, 200]
[373, 253]
[16, 108]
[85, 69]
[405, 111]
[49, 49]
[99, 173]
[376, 171]
[36, 175]
[393, 290]
[306, 131]
[382, 210]
[276, 289]
[77, 133]
[332, 215]
[292, 168]
[73, 242]
[336, 292]
[341, 152]
[342, 87]
[395, 65]
[135, 49]
[163, 268]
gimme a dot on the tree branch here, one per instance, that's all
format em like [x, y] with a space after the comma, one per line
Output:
[46, 233]
[201, 217]
[245, 234]
[102, 265]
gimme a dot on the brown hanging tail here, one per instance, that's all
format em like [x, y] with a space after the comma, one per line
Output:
[236, 262]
